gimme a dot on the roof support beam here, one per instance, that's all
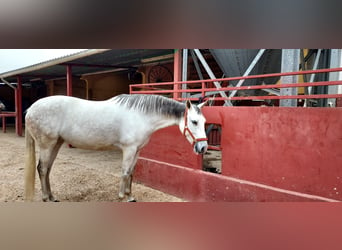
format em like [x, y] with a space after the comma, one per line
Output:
[177, 72]
[7, 83]
[69, 80]
[98, 65]
[249, 69]
[312, 78]
[212, 76]
[19, 107]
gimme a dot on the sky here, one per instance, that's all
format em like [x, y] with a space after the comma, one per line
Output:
[11, 59]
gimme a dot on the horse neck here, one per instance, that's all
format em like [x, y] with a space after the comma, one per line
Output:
[160, 121]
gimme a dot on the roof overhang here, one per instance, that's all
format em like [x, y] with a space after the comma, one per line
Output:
[89, 62]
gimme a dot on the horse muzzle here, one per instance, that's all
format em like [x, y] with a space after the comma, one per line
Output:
[201, 147]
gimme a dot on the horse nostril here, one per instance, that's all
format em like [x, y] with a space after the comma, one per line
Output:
[200, 149]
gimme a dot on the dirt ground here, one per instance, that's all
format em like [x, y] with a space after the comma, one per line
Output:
[77, 175]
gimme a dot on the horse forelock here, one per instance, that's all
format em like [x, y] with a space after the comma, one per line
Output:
[197, 109]
[151, 104]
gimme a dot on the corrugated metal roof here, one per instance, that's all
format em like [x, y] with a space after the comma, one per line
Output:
[234, 62]
[84, 62]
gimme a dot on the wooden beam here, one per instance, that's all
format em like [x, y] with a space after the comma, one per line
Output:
[177, 72]
[69, 80]
[19, 107]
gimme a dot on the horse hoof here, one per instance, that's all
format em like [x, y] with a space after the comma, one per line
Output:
[53, 199]
[50, 199]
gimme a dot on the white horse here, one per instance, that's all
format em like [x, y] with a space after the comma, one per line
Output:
[125, 121]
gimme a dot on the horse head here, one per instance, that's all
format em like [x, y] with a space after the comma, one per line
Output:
[192, 127]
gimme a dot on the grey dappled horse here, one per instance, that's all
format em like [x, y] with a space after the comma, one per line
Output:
[125, 121]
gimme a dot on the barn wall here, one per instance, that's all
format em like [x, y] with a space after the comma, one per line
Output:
[269, 154]
[58, 87]
[104, 86]
[93, 87]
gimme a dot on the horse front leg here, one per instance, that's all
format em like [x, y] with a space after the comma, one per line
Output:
[129, 159]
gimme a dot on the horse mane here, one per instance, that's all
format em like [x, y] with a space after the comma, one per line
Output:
[151, 104]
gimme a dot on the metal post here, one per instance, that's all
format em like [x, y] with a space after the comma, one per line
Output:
[289, 62]
[212, 76]
[312, 77]
[69, 80]
[177, 75]
[185, 71]
[19, 107]
[198, 69]
[335, 62]
[249, 69]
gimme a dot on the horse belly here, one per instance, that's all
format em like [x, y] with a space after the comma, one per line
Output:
[90, 139]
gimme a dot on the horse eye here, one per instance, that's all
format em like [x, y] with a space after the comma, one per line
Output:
[194, 122]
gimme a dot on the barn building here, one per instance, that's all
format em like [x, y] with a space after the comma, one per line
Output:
[274, 120]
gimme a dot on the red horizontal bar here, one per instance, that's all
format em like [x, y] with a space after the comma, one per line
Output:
[8, 114]
[249, 77]
[271, 86]
[218, 148]
[268, 97]
[318, 96]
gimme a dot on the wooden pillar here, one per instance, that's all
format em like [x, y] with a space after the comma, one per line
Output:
[69, 80]
[19, 107]
[177, 72]
[51, 84]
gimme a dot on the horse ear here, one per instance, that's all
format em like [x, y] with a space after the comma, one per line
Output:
[202, 104]
[188, 104]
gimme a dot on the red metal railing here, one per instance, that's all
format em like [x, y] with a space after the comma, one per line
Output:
[201, 87]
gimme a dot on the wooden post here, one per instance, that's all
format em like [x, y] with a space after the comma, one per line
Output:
[69, 80]
[177, 72]
[19, 107]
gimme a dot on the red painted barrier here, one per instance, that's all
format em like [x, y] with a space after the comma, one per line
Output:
[171, 146]
[268, 154]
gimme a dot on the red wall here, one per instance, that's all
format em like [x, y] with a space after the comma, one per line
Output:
[170, 145]
[268, 154]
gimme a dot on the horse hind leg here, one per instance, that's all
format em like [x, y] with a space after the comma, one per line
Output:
[46, 159]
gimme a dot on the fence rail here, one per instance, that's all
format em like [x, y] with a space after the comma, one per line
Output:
[205, 88]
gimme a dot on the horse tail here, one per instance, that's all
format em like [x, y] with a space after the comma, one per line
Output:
[30, 166]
